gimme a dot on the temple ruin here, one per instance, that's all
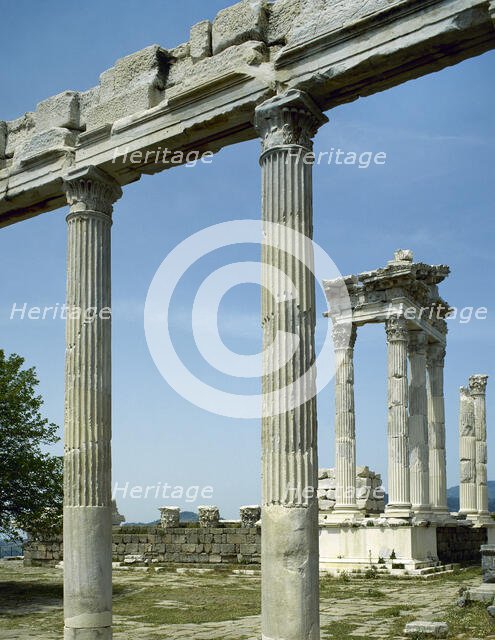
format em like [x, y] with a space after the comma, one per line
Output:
[404, 297]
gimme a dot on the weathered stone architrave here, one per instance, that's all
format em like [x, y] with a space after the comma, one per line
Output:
[201, 95]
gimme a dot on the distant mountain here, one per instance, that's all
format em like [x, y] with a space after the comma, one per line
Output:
[453, 497]
[188, 516]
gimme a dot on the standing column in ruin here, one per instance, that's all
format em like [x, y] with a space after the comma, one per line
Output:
[467, 446]
[399, 505]
[418, 424]
[344, 337]
[290, 590]
[436, 429]
[87, 463]
[477, 389]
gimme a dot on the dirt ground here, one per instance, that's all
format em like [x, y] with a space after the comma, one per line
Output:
[178, 605]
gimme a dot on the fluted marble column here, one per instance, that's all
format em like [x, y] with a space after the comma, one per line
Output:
[399, 504]
[418, 424]
[289, 555]
[467, 446]
[436, 429]
[344, 337]
[477, 389]
[87, 463]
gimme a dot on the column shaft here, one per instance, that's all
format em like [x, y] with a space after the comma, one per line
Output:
[345, 419]
[418, 424]
[436, 429]
[399, 504]
[87, 461]
[290, 564]
[477, 388]
[467, 447]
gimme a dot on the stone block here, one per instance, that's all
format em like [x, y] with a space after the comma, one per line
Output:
[242, 22]
[326, 505]
[327, 483]
[134, 84]
[426, 629]
[134, 559]
[488, 563]
[132, 549]
[3, 139]
[215, 559]
[188, 548]
[61, 110]
[138, 99]
[248, 549]
[209, 516]
[149, 65]
[18, 133]
[282, 15]
[484, 594]
[181, 51]
[51, 139]
[250, 515]
[169, 517]
[200, 40]
[227, 548]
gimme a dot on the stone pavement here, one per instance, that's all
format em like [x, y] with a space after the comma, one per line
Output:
[373, 607]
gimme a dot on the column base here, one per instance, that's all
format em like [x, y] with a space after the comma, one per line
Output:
[102, 633]
[290, 572]
[481, 520]
[402, 511]
[441, 514]
[423, 512]
[345, 513]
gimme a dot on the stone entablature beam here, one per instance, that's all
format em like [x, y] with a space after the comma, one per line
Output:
[202, 93]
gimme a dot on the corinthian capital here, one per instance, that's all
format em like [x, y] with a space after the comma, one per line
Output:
[477, 384]
[396, 328]
[344, 336]
[436, 355]
[91, 189]
[290, 119]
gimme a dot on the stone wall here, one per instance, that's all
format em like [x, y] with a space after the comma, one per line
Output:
[224, 544]
[231, 544]
[209, 541]
[460, 544]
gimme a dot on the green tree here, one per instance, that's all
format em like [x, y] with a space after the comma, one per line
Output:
[31, 480]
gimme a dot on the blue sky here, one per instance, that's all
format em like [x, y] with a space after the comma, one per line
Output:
[434, 195]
